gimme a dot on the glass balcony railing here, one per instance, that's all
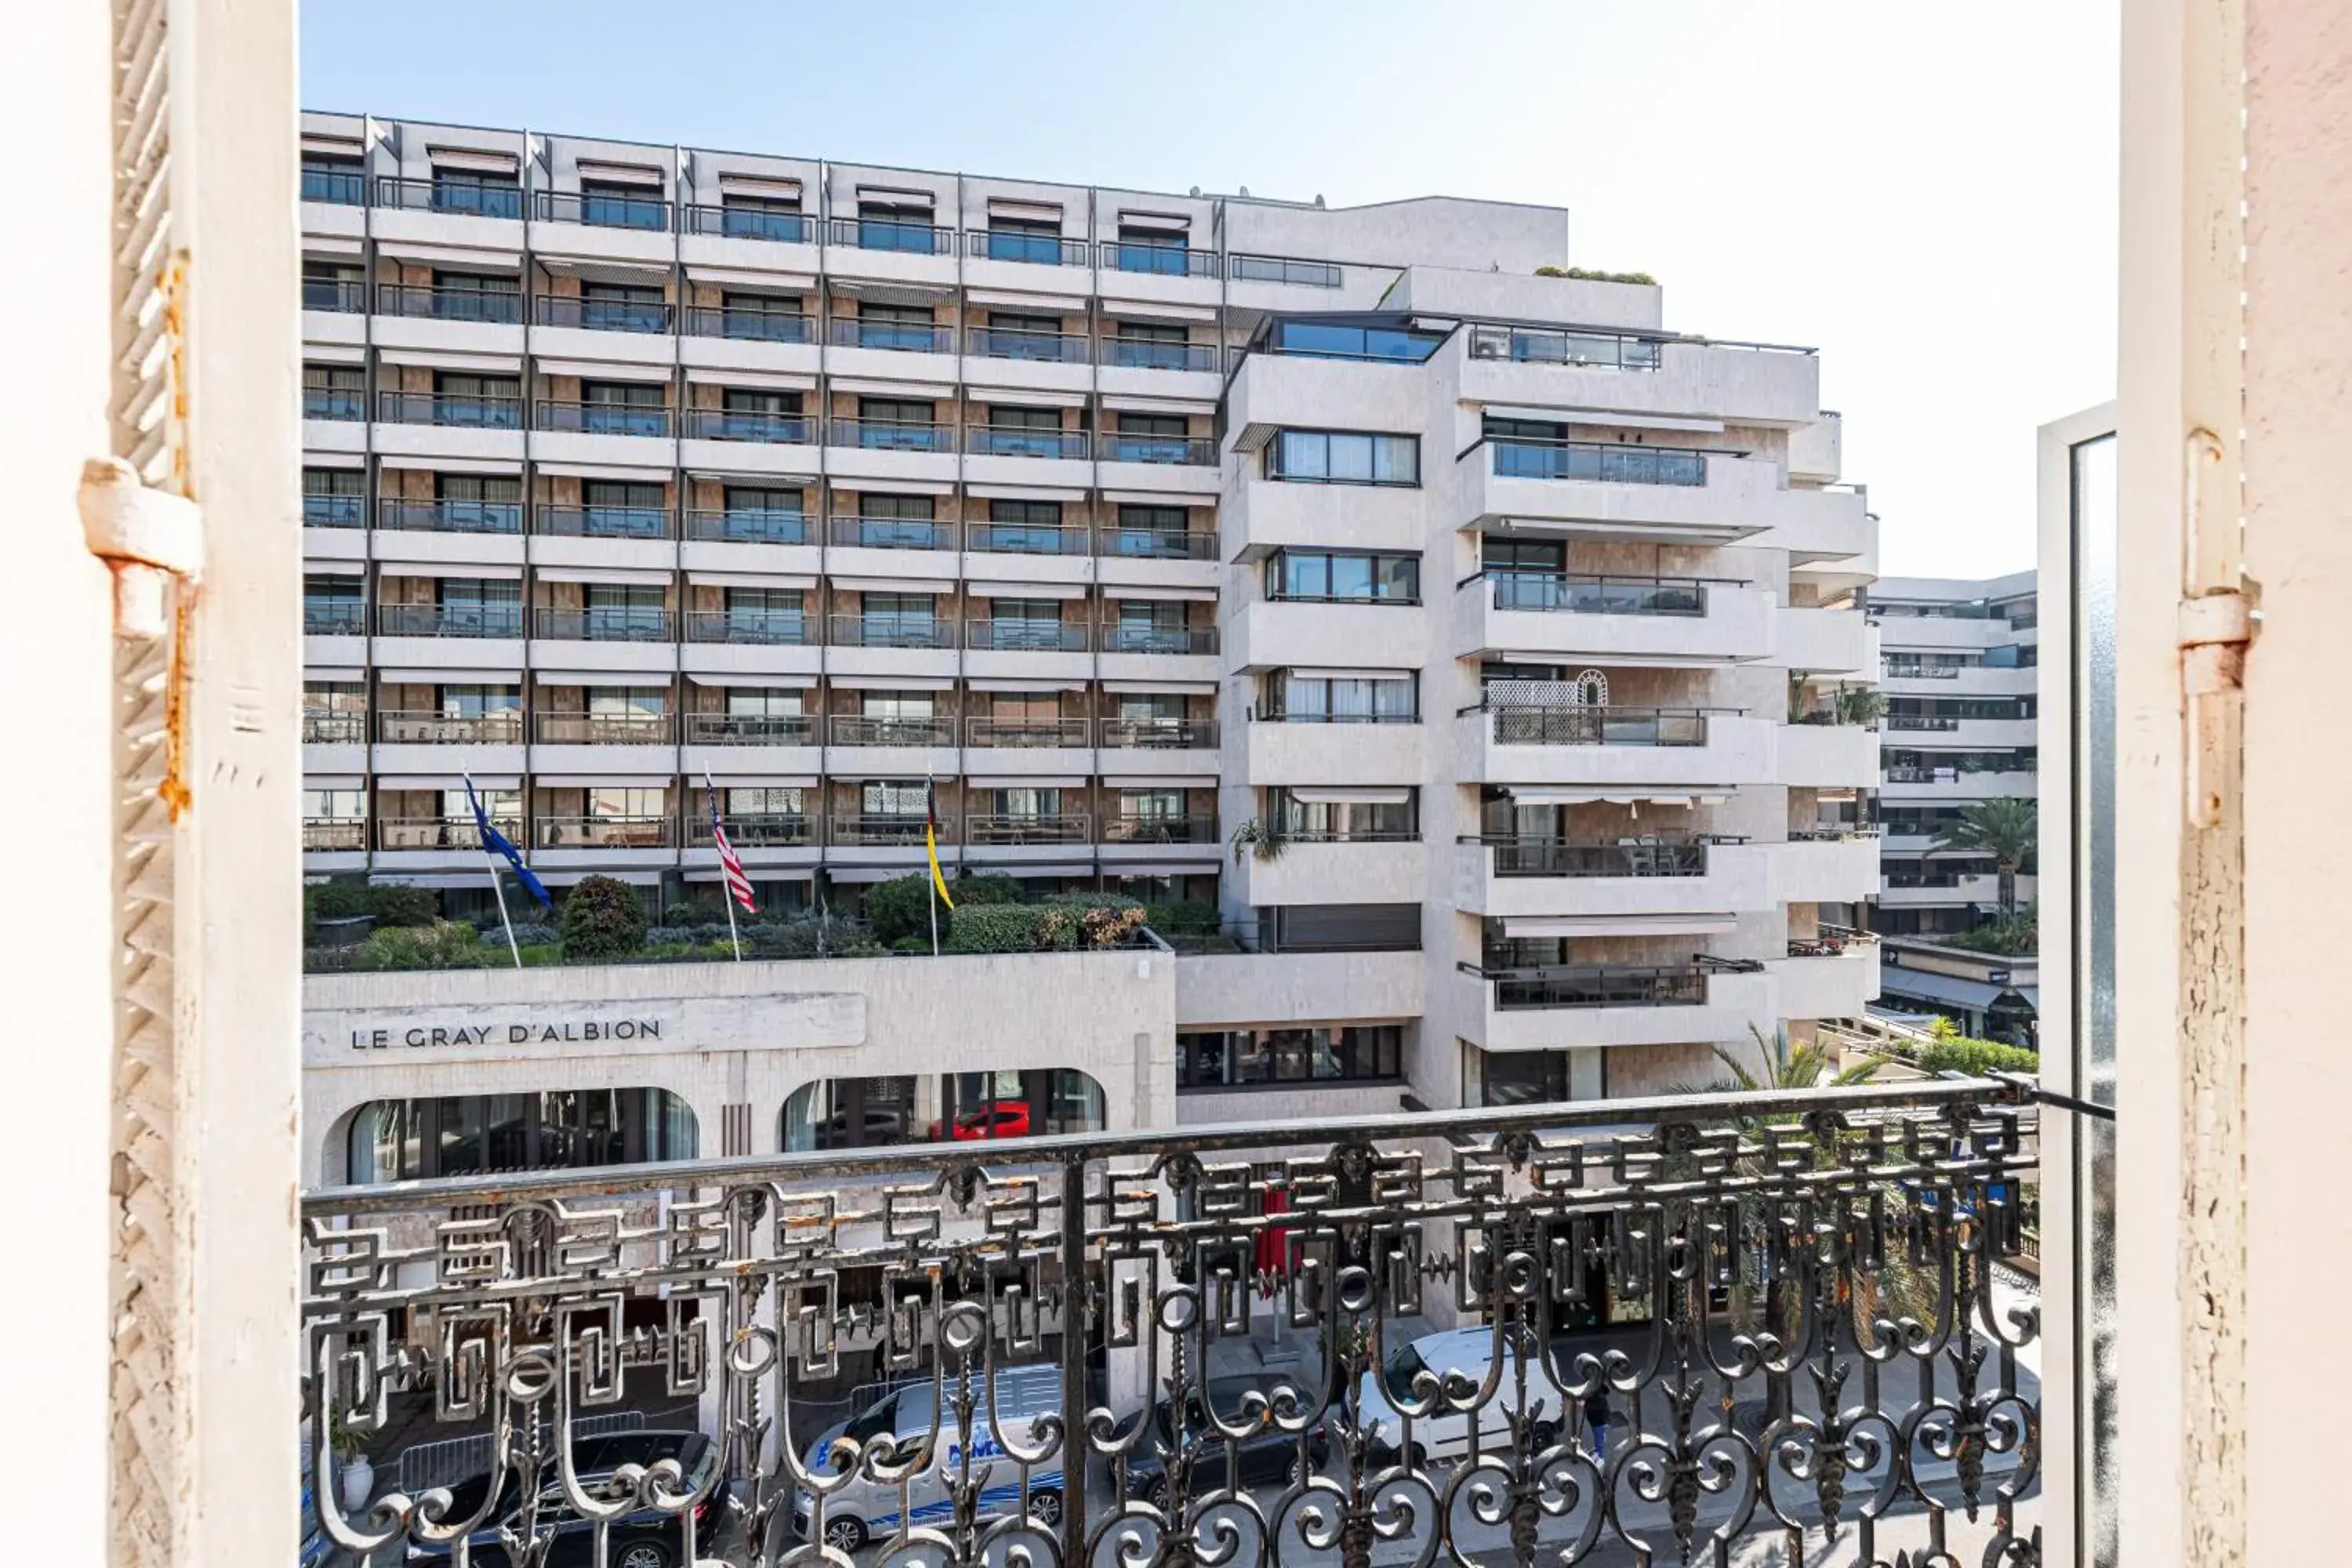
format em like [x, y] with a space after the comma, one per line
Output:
[464, 198]
[879, 436]
[1597, 594]
[899, 337]
[999, 827]
[891, 234]
[1537, 346]
[603, 832]
[502, 727]
[750, 729]
[1159, 543]
[1026, 733]
[1159, 734]
[1024, 539]
[1518, 458]
[749, 525]
[1029, 636]
[1285, 270]
[1533, 857]
[1160, 830]
[750, 222]
[603, 209]
[750, 326]
[603, 522]
[601, 315]
[1825, 1210]
[334, 617]
[1022, 441]
[334, 512]
[493, 307]
[461, 410]
[343, 296]
[623, 728]
[449, 620]
[772, 628]
[1135, 353]
[449, 515]
[602, 418]
[333, 402]
[870, 730]
[1598, 726]
[747, 425]
[1038, 249]
[892, 532]
[1117, 447]
[335, 187]
[891, 630]
[1163, 260]
[1047, 348]
[1117, 637]
[603, 622]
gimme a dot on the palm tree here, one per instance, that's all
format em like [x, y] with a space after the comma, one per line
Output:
[1785, 1067]
[2005, 830]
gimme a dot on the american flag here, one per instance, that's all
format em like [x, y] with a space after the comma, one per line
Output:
[730, 865]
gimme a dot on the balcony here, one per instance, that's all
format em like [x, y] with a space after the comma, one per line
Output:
[404, 1287]
[1833, 975]
[459, 198]
[757, 831]
[1154, 830]
[982, 828]
[1359, 868]
[1640, 373]
[334, 618]
[750, 729]
[450, 425]
[1025, 636]
[586, 313]
[603, 209]
[1194, 451]
[1540, 614]
[1027, 734]
[1024, 539]
[1018, 441]
[450, 835]
[619, 729]
[750, 326]
[397, 727]
[1706, 751]
[894, 337]
[603, 832]
[470, 306]
[1137, 353]
[894, 832]
[334, 512]
[1028, 348]
[603, 624]
[892, 631]
[771, 628]
[634, 419]
[1285, 748]
[749, 525]
[891, 236]
[733, 424]
[1539, 346]
[491, 517]
[334, 834]
[748, 223]
[1513, 877]
[334, 729]
[1572, 1006]
[857, 729]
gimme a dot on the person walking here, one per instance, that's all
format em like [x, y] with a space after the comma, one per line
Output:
[1596, 1419]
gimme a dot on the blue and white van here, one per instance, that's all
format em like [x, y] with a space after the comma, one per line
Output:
[867, 1509]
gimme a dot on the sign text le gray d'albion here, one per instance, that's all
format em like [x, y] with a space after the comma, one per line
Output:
[424, 1036]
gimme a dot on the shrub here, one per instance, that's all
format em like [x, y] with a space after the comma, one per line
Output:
[442, 944]
[1975, 1057]
[1184, 917]
[675, 935]
[1011, 927]
[971, 888]
[341, 898]
[902, 907]
[1103, 919]
[399, 904]
[601, 919]
[1590, 276]
[911, 944]
[526, 933]
[684, 913]
[838, 936]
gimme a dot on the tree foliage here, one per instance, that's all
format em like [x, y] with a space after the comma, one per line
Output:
[601, 919]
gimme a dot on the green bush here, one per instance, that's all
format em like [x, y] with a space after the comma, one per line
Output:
[683, 914]
[902, 907]
[399, 904]
[1590, 276]
[1185, 917]
[341, 898]
[836, 935]
[601, 919]
[911, 944]
[1011, 927]
[442, 944]
[1102, 919]
[1959, 1053]
[970, 889]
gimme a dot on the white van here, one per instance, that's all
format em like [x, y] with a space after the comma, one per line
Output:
[867, 1509]
[1446, 1434]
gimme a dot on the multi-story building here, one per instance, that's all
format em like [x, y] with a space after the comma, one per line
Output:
[1959, 674]
[1450, 624]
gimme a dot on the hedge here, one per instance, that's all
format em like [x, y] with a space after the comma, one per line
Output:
[601, 918]
[1974, 1058]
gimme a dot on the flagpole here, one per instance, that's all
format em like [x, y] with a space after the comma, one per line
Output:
[930, 833]
[498, 887]
[726, 893]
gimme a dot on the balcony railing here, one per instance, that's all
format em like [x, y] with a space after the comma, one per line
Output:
[772, 628]
[872, 830]
[764, 830]
[396, 833]
[749, 525]
[1025, 538]
[603, 522]
[864, 730]
[1898, 672]
[448, 620]
[749, 326]
[334, 512]
[334, 834]
[750, 728]
[1518, 457]
[606, 623]
[1117, 637]
[1016, 441]
[448, 516]
[1158, 544]
[746, 424]
[603, 832]
[1119, 447]
[1159, 734]
[1538, 345]
[1285, 270]
[601, 209]
[336, 187]
[891, 234]
[889, 436]
[600, 418]
[1048, 348]
[999, 827]
[893, 533]
[490, 307]
[1933, 723]
[341, 296]
[1038, 249]
[1026, 733]
[1135, 354]
[334, 729]
[891, 630]
[334, 618]
[461, 411]
[1598, 1241]
[1035, 637]
[1165, 260]
[1160, 830]
[1597, 726]
[748, 223]
[1521, 857]
[1596, 985]
[463, 198]
[601, 315]
[333, 403]
[1597, 593]
[625, 729]
[897, 337]
[399, 728]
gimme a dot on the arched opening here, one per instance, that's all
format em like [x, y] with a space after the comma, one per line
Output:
[939, 1108]
[553, 1129]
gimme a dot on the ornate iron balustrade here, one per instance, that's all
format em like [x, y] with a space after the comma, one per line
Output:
[1799, 1342]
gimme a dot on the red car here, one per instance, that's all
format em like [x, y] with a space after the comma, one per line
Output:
[997, 1118]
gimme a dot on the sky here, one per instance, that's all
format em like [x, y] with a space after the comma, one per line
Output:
[1925, 192]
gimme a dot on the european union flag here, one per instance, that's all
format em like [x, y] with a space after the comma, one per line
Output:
[497, 843]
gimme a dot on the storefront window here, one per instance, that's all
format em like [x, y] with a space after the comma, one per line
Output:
[1237, 1058]
[961, 1107]
[410, 1140]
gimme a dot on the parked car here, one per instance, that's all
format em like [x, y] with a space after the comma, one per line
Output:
[1265, 1458]
[1446, 1434]
[997, 1118]
[645, 1538]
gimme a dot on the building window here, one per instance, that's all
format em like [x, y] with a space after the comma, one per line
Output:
[412, 1139]
[624, 307]
[1245, 1059]
[333, 286]
[338, 181]
[1344, 456]
[1320, 577]
[333, 606]
[957, 1107]
[334, 392]
[1325, 340]
[477, 297]
[1506, 1078]
[1024, 240]
[743, 216]
[333, 498]
[483, 194]
[1373, 815]
[1293, 697]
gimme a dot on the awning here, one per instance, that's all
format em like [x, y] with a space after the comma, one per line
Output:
[1160, 781]
[1318, 672]
[1616, 925]
[1067, 494]
[637, 574]
[1329, 795]
[482, 569]
[1115, 591]
[1950, 990]
[605, 370]
[334, 781]
[892, 683]
[783, 381]
[987, 684]
[333, 672]
[447, 781]
[932, 586]
[510, 676]
[1163, 687]
[2032, 994]
[1527, 795]
[757, 872]
[749, 580]
[1155, 867]
[853, 484]
[883, 873]
[600, 677]
[1024, 780]
[738, 677]
[726, 779]
[980, 588]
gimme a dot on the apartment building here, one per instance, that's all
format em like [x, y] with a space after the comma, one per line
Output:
[1467, 636]
[1959, 671]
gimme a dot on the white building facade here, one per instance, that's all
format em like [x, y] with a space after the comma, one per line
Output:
[1960, 662]
[1466, 638]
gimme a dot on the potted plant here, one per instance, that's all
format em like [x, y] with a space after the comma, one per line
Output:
[355, 1474]
[1264, 838]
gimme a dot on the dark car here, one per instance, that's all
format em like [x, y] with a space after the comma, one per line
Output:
[645, 1538]
[1266, 1457]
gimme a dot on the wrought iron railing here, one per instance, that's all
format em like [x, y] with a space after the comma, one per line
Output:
[1702, 1327]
